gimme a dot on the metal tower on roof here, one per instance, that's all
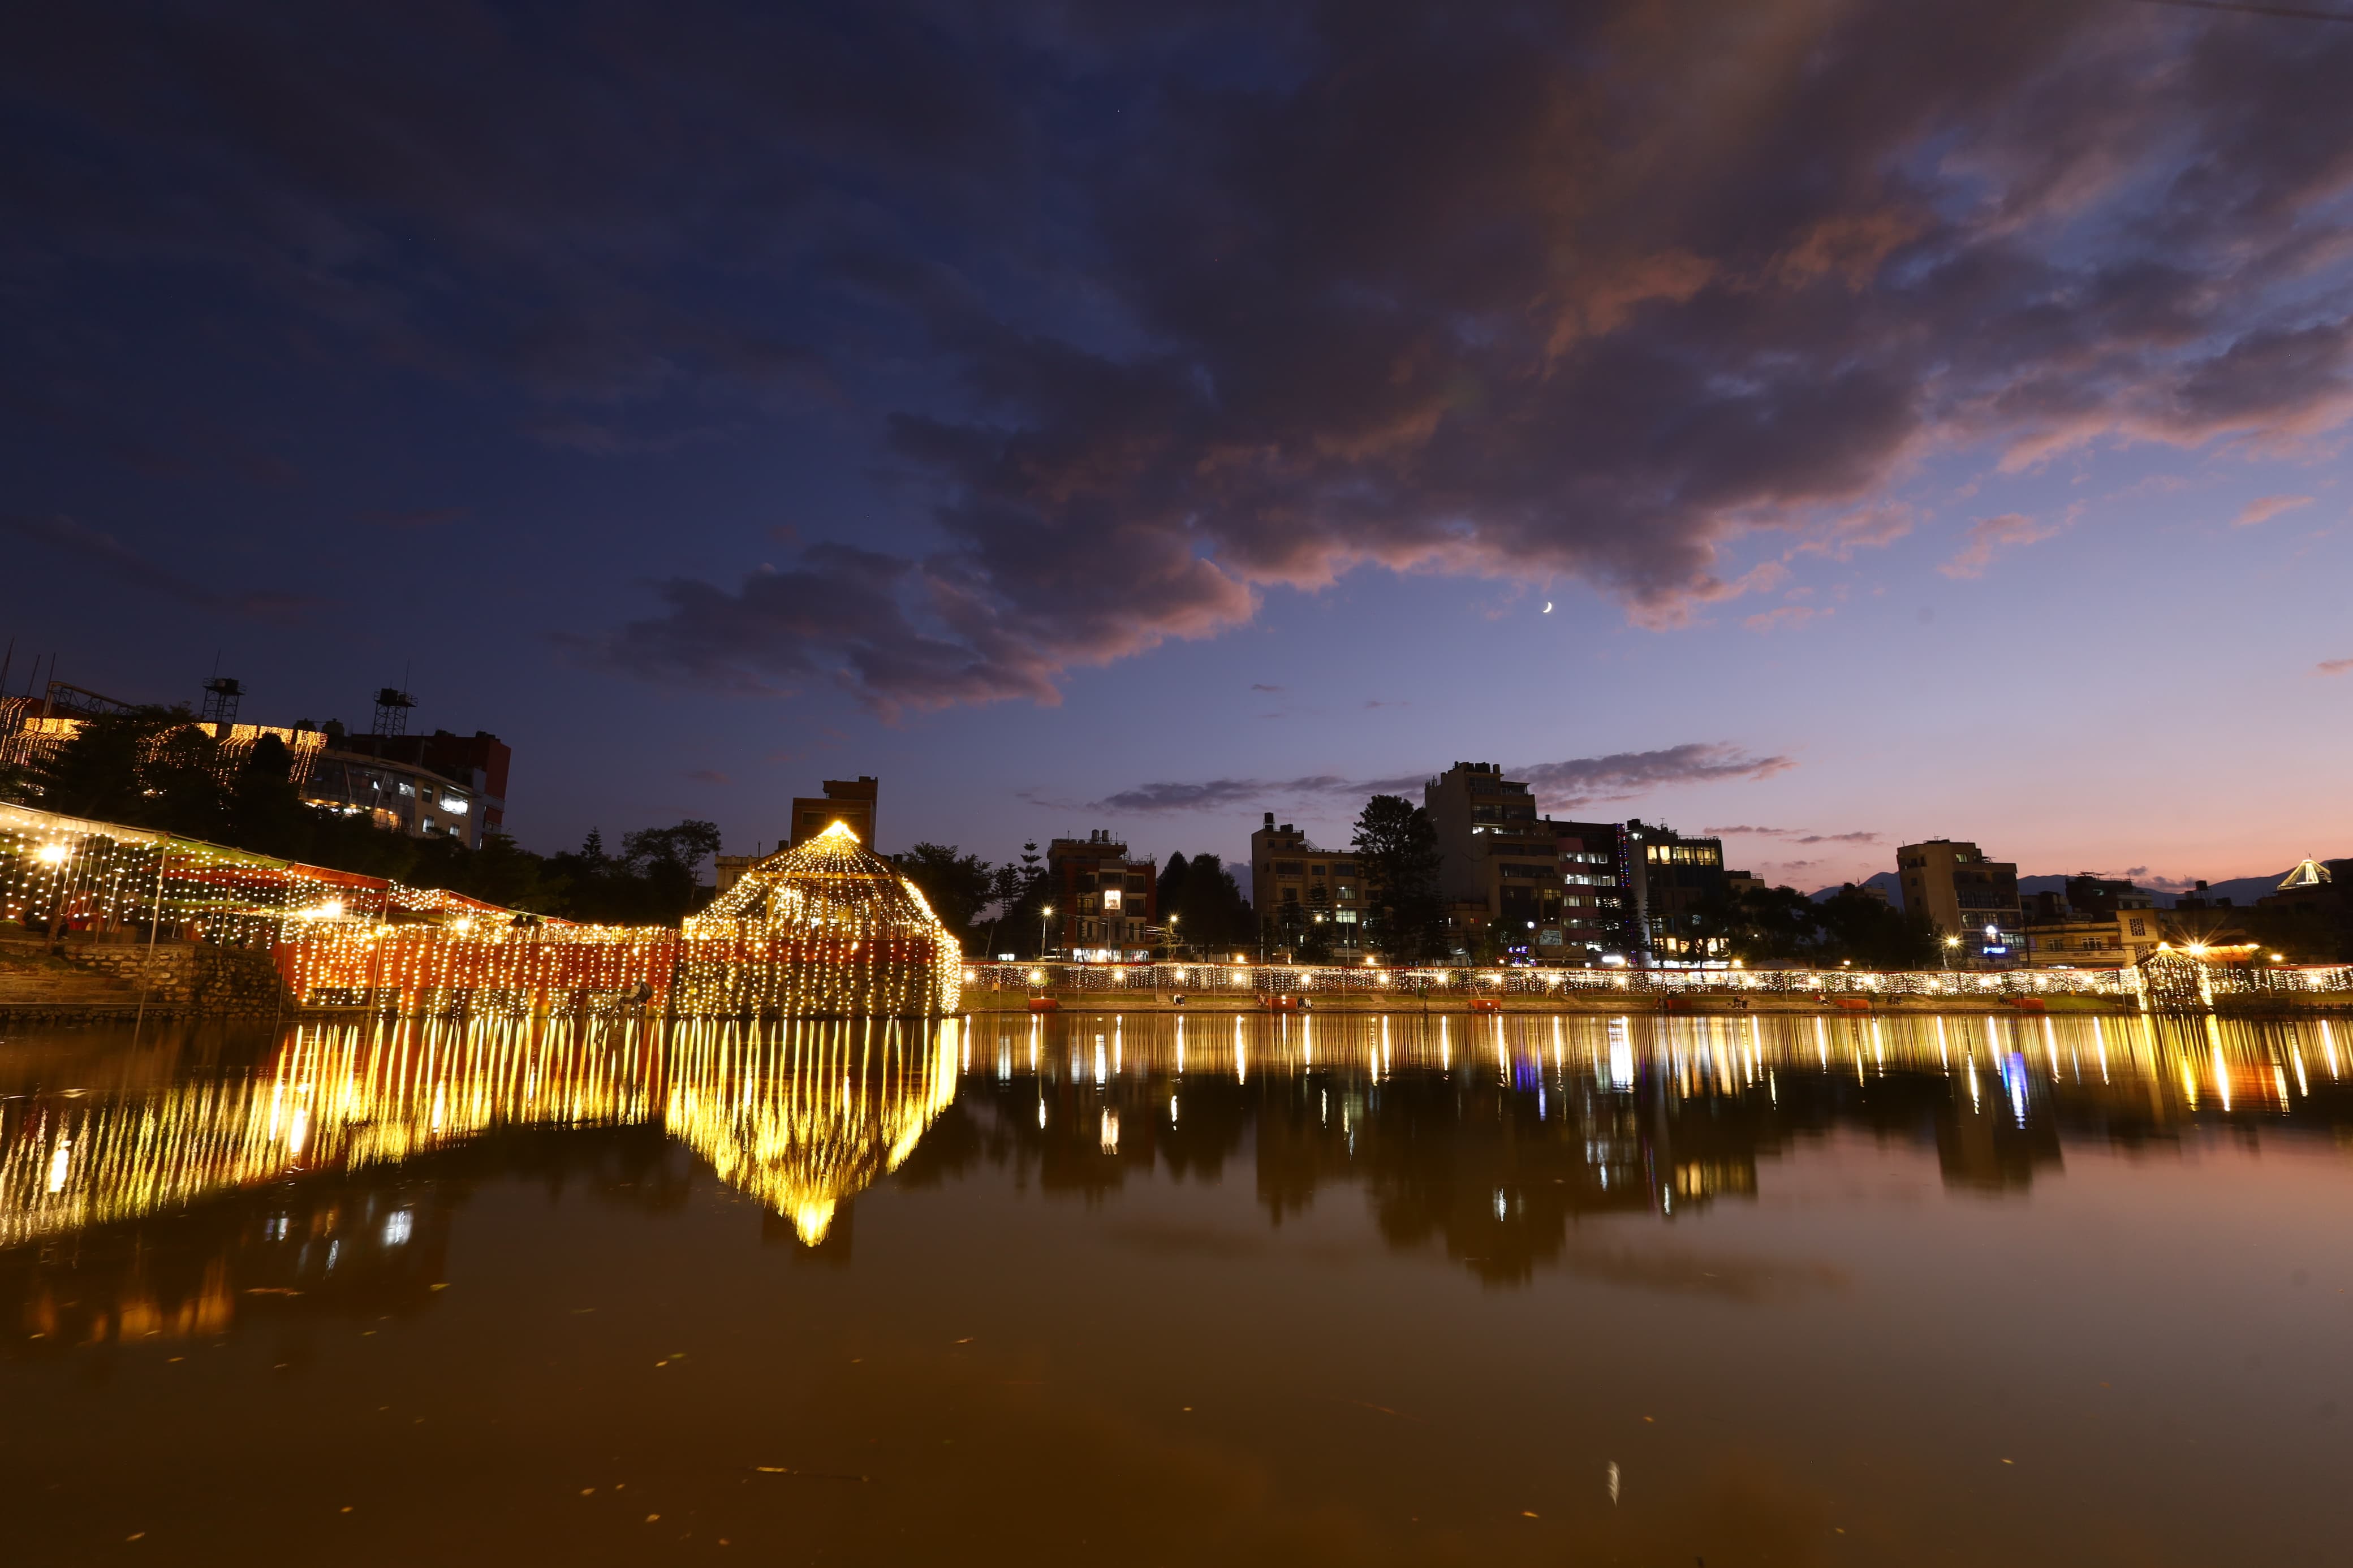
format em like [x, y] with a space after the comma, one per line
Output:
[222, 696]
[392, 706]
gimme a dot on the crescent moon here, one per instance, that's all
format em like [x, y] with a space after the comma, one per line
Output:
[1547, 609]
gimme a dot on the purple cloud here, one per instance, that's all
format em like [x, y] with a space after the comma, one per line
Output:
[1795, 835]
[1513, 293]
[118, 561]
[1583, 780]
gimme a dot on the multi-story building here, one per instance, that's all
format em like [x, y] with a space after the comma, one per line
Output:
[1294, 885]
[398, 796]
[1673, 879]
[1970, 900]
[1102, 899]
[1593, 895]
[1495, 853]
[2077, 940]
[478, 762]
[33, 728]
[849, 802]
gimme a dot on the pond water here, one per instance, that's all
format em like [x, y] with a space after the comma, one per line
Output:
[1096, 1289]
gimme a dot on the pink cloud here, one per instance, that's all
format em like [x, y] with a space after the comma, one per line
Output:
[1788, 616]
[2263, 509]
[1989, 536]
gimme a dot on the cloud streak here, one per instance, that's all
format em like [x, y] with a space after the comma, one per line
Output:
[1562, 785]
[1795, 835]
[109, 554]
[1991, 536]
[2263, 509]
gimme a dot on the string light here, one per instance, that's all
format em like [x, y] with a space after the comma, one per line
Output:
[824, 929]
[801, 1115]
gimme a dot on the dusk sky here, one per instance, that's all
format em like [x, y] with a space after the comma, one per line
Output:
[1921, 419]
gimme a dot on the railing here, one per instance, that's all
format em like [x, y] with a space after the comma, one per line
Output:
[1279, 979]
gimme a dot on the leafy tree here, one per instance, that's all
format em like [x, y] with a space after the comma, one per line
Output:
[1206, 902]
[667, 864]
[1763, 923]
[1867, 930]
[1396, 847]
[958, 886]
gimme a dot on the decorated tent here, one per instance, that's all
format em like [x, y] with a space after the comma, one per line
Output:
[825, 929]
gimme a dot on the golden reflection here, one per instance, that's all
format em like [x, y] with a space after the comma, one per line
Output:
[800, 1116]
[803, 1114]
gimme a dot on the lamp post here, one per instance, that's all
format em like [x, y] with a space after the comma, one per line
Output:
[1950, 943]
[1045, 913]
[1172, 936]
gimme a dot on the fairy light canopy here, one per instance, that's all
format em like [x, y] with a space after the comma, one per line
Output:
[825, 927]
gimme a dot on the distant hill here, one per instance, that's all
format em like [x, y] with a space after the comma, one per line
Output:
[1883, 880]
[2241, 891]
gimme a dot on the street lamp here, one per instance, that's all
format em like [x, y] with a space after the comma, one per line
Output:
[1950, 943]
[1044, 914]
[1172, 935]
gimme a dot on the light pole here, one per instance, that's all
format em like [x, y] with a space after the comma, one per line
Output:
[1172, 937]
[1045, 913]
[1950, 943]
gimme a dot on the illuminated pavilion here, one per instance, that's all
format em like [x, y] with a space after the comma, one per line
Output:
[826, 929]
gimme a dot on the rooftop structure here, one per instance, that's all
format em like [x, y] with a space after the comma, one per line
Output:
[849, 802]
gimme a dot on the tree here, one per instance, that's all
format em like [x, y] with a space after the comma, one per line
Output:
[1762, 923]
[1865, 928]
[958, 886]
[1396, 847]
[667, 864]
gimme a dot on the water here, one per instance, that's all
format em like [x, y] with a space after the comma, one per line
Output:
[1092, 1289]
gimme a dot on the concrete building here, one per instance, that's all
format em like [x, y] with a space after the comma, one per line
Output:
[1964, 895]
[1294, 885]
[849, 802]
[2075, 940]
[1495, 853]
[476, 763]
[1593, 895]
[1672, 879]
[398, 796]
[1102, 899]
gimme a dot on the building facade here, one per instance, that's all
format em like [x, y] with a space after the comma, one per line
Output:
[1673, 879]
[1295, 885]
[2078, 941]
[850, 801]
[1593, 894]
[1495, 854]
[478, 762]
[398, 796]
[1103, 903]
[1971, 901]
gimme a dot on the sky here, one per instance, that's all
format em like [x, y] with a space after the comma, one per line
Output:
[1828, 423]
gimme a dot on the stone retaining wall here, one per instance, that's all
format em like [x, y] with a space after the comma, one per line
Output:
[180, 978]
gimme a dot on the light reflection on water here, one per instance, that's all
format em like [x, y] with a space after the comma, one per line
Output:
[199, 1193]
[804, 1115]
